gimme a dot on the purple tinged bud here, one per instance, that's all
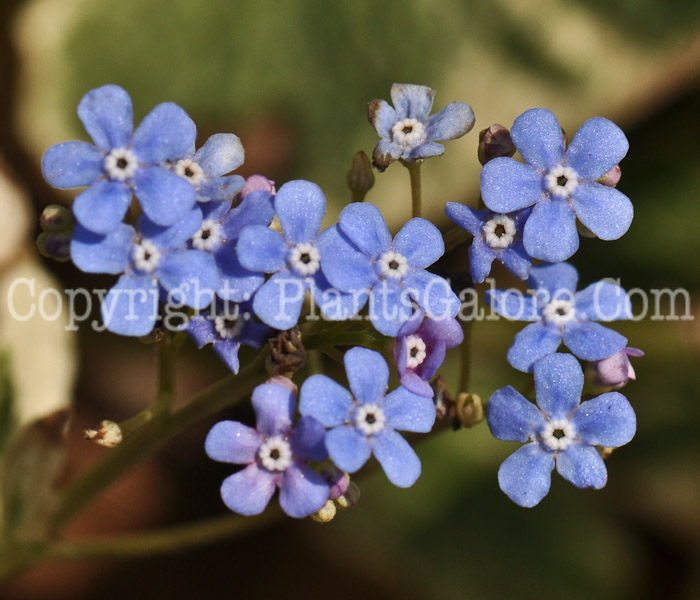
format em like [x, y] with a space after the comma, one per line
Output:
[257, 182]
[56, 218]
[360, 177]
[615, 371]
[350, 497]
[338, 481]
[612, 177]
[55, 244]
[494, 141]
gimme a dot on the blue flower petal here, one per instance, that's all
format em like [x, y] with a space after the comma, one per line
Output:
[368, 374]
[173, 236]
[420, 242]
[390, 306]
[526, 475]
[279, 301]
[232, 442]
[348, 448]
[131, 306]
[550, 232]
[592, 341]
[532, 343]
[412, 101]
[382, 116]
[399, 461]
[481, 257]
[556, 280]
[220, 154]
[93, 253]
[607, 420]
[307, 440]
[597, 147]
[201, 330]
[432, 293]
[302, 492]
[72, 164]
[325, 400]
[261, 249]
[582, 466]
[256, 208]
[274, 408]
[300, 206]
[511, 417]
[365, 227]
[249, 491]
[453, 121]
[513, 304]
[466, 217]
[166, 133]
[190, 277]
[334, 304]
[106, 114]
[227, 351]
[220, 188]
[414, 383]
[538, 137]
[603, 301]
[343, 265]
[425, 150]
[508, 185]
[606, 211]
[558, 384]
[164, 196]
[407, 411]
[433, 360]
[237, 283]
[516, 260]
[101, 207]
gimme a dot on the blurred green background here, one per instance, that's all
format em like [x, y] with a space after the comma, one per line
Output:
[292, 79]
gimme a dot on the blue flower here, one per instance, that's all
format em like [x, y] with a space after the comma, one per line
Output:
[559, 315]
[120, 161]
[227, 327]
[206, 168]
[560, 431]
[294, 258]
[364, 420]
[360, 254]
[407, 131]
[495, 236]
[275, 454]
[154, 262]
[420, 349]
[560, 183]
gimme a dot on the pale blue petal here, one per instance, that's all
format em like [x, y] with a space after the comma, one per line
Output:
[416, 384]
[106, 114]
[166, 133]
[325, 400]
[399, 461]
[334, 304]
[420, 242]
[425, 150]
[302, 492]
[174, 236]
[93, 253]
[508, 185]
[607, 420]
[412, 101]
[348, 448]
[466, 217]
[72, 164]
[227, 351]
[237, 283]
[220, 154]
[557, 280]
[344, 266]
[603, 301]
[526, 475]
[220, 188]
[300, 206]
[307, 440]
[607, 212]
[407, 411]
[452, 122]
[131, 306]
[368, 374]
[190, 277]
[256, 208]
[102, 206]
[513, 418]
[249, 491]
[481, 257]
[390, 306]
[597, 147]
[513, 304]
[365, 227]
[201, 330]
[279, 301]
[558, 385]
[274, 408]
[232, 442]
[592, 341]
[550, 232]
[261, 249]
[164, 196]
[531, 344]
[516, 260]
[382, 116]
[582, 466]
[432, 293]
[538, 137]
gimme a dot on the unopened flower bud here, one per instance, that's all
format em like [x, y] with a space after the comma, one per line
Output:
[360, 177]
[257, 182]
[469, 409]
[326, 514]
[615, 371]
[108, 435]
[350, 497]
[56, 218]
[612, 177]
[287, 353]
[54, 244]
[337, 480]
[494, 141]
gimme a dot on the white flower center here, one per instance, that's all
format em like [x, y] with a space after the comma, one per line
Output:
[499, 231]
[561, 181]
[305, 258]
[392, 264]
[145, 256]
[369, 419]
[190, 170]
[559, 312]
[275, 454]
[409, 133]
[121, 164]
[209, 235]
[229, 329]
[415, 351]
[558, 434]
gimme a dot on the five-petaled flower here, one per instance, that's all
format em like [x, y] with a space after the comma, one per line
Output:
[560, 431]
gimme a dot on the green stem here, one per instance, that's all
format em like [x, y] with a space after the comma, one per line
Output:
[416, 199]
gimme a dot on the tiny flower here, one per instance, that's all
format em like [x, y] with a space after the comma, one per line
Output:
[420, 349]
[560, 431]
[364, 420]
[122, 161]
[152, 260]
[562, 315]
[407, 131]
[495, 236]
[257, 182]
[359, 254]
[275, 455]
[615, 371]
[560, 183]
